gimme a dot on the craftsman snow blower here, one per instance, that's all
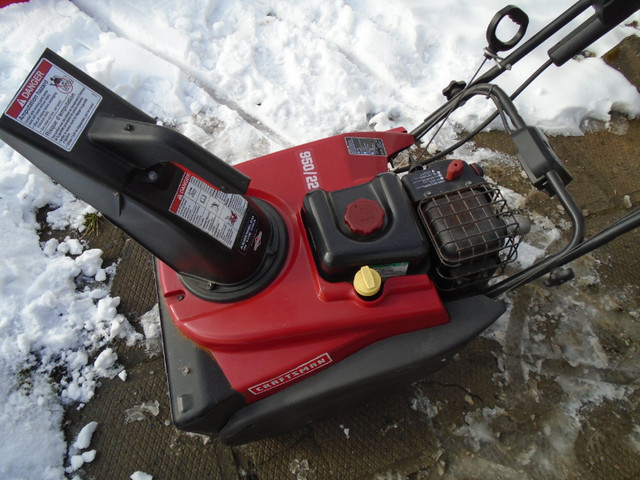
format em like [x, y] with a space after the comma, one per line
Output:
[284, 298]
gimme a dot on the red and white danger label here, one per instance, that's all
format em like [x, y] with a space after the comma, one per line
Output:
[212, 211]
[54, 105]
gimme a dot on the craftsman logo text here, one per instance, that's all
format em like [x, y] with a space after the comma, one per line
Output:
[305, 369]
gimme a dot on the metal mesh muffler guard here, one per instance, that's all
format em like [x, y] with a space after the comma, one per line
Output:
[474, 233]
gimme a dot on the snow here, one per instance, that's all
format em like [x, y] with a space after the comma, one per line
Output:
[77, 458]
[140, 476]
[105, 361]
[140, 412]
[83, 440]
[242, 79]
[301, 469]
[476, 429]
[150, 323]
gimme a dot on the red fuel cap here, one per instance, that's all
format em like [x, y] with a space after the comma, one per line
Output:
[364, 216]
[454, 170]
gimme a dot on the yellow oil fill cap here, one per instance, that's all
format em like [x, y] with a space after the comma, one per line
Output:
[367, 281]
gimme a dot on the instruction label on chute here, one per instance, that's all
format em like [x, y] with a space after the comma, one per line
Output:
[212, 211]
[54, 105]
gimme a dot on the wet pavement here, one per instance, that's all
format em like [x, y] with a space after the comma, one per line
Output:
[551, 391]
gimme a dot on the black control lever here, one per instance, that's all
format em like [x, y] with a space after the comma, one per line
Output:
[496, 45]
[609, 13]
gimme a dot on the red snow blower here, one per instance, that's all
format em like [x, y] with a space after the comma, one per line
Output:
[286, 297]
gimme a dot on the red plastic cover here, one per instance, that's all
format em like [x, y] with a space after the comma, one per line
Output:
[301, 323]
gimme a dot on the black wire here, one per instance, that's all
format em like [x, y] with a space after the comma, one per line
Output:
[453, 107]
[539, 269]
[503, 117]
[483, 125]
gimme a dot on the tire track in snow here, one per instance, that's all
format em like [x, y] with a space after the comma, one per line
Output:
[363, 65]
[256, 123]
[358, 63]
[197, 77]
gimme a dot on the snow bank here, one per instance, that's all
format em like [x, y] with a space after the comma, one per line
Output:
[297, 72]
[48, 324]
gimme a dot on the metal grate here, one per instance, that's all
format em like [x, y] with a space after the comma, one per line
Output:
[474, 233]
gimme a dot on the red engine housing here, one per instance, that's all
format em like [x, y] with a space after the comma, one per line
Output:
[302, 323]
